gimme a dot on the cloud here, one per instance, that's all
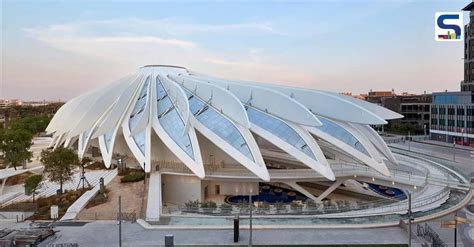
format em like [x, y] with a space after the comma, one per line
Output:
[144, 40]
[131, 43]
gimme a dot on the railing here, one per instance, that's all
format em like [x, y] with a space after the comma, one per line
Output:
[404, 139]
[453, 177]
[383, 206]
[349, 168]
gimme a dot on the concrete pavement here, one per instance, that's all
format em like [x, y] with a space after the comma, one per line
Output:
[101, 233]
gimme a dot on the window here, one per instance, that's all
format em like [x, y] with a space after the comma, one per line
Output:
[171, 121]
[217, 123]
[341, 134]
[137, 114]
[278, 128]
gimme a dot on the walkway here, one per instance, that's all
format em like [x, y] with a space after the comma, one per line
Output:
[80, 203]
[49, 188]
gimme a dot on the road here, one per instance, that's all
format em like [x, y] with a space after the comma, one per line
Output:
[462, 160]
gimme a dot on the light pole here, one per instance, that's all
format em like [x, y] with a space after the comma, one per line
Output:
[409, 219]
[409, 140]
[456, 230]
[250, 219]
[454, 149]
[120, 220]
[144, 170]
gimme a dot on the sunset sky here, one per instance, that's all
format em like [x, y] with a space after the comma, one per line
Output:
[57, 50]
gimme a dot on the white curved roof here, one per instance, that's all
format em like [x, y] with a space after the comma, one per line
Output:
[177, 104]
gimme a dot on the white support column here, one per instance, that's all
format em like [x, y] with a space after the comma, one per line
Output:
[302, 190]
[154, 201]
[329, 190]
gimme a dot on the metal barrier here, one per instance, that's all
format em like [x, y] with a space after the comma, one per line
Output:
[309, 208]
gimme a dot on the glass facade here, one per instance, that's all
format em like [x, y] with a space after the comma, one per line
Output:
[217, 123]
[453, 113]
[171, 120]
[338, 132]
[278, 128]
[85, 135]
[137, 114]
[453, 98]
[108, 139]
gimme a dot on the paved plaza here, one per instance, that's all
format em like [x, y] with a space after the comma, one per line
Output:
[106, 234]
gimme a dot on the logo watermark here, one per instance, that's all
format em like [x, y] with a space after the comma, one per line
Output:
[449, 26]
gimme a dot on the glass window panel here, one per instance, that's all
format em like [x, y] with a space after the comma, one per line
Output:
[338, 132]
[280, 129]
[171, 121]
[140, 141]
[108, 140]
[217, 123]
[137, 114]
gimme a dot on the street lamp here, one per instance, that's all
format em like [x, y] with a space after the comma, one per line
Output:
[409, 219]
[454, 149]
[409, 141]
[250, 219]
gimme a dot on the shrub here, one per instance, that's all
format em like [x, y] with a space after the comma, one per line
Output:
[133, 177]
[295, 205]
[209, 204]
[280, 206]
[225, 207]
[311, 204]
[192, 204]
[264, 205]
[96, 165]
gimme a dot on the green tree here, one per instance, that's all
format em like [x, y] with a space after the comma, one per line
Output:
[33, 124]
[59, 164]
[15, 145]
[32, 184]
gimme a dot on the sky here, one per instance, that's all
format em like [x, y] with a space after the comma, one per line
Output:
[56, 50]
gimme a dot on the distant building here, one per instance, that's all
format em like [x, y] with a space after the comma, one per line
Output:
[379, 94]
[468, 83]
[414, 108]
[452, 117]
[37, 103]
[9, 102]
[452, 113]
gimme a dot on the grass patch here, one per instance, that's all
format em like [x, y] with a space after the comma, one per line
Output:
[18, 179]
[133, 177]
[126, 171]
[42, 206]
[63, 202]
[98, 199]
[97, 165]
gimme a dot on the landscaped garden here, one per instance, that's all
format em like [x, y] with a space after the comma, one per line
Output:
[42, 206]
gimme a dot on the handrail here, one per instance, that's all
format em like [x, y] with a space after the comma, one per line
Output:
[382, 206]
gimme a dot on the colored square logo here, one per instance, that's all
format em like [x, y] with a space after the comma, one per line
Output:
[449, 26]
